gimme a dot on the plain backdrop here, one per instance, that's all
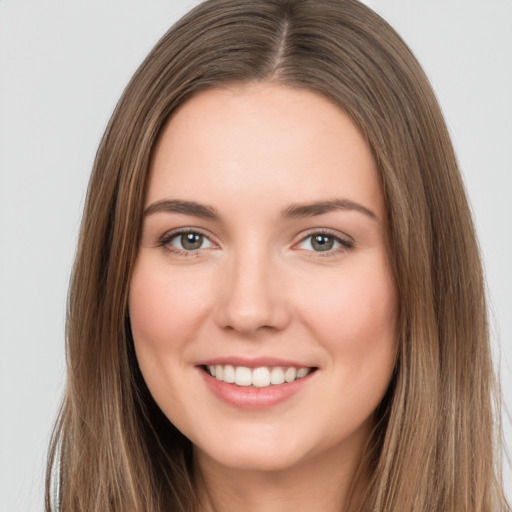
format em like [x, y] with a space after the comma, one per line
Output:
[63, 66]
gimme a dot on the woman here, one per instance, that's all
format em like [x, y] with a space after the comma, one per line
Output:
[277, 299]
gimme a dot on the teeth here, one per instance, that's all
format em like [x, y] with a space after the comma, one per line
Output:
[243, 376]
[302, 372]
[261, 377]
[276, 375]
[229, 374]
[290, 374]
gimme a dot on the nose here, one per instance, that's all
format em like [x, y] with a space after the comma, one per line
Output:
[253, 297]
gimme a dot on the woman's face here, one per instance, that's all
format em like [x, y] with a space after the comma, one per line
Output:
[264, 261]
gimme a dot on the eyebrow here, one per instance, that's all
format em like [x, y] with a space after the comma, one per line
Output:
[293, 211]
[183, 207]
[319, 208]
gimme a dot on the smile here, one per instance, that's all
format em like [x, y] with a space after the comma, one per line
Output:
[261, 377]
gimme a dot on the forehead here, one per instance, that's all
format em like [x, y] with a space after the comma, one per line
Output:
[290, 144]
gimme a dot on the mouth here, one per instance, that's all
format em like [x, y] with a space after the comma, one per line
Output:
[260, 377]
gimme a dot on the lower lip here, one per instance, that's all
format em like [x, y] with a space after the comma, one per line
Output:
[254, 398]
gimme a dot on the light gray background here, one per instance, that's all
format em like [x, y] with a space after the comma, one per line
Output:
[64, 64]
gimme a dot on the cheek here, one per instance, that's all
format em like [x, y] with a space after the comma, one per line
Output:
[165, 309]
[354, 313]
[357, 324]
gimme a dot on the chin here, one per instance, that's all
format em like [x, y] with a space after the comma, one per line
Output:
[251, 459]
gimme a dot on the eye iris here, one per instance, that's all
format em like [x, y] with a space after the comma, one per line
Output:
[191, 241]
[322, 242]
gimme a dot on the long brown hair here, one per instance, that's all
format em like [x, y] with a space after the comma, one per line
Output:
[434, 445]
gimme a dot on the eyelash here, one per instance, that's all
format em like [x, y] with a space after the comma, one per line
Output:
[344, 245]
[165, 242]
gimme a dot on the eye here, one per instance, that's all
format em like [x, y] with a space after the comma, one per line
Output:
[187, 241]
[323, 242]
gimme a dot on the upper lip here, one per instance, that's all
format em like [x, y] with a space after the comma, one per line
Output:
[253, 362]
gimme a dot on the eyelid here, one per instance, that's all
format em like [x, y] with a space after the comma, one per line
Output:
[168, 236]
[347, 242]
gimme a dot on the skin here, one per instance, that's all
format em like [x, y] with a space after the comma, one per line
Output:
[257, 287]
